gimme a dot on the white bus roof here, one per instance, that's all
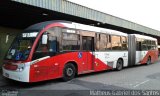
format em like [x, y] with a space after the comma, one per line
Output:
[144, 37]
[89, 28]
[93, 29]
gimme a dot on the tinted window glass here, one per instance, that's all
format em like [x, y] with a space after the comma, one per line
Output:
[50, 47]
[144, 44]
[70, 41]
[124, 43]
[103, 42]
[116, 43]
[88, 43]
[109, 44]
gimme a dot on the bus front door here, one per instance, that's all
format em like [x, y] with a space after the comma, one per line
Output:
[88, 51]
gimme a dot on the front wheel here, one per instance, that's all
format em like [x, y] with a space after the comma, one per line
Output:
[119, 65]
[69, 72]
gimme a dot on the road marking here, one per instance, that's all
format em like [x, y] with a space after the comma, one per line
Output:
[140, 83]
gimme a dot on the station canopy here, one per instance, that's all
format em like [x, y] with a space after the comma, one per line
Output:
[23, 13]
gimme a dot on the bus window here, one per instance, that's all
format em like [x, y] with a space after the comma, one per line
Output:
[50, 46]
[149, 46]
[138, 44]
[97, 42]
[144, 44]
[103, 42]
[124, 43]
[70, 42]
[48, 49]
[153, 45]
[21, 46]
[87, 43]
[109, 44]
[116, 43]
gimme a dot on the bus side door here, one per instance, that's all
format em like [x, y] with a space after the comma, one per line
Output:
[88, 52]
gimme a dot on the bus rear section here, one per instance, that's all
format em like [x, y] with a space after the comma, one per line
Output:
[142, 50]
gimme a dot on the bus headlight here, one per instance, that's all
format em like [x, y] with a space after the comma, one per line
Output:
[20, 67]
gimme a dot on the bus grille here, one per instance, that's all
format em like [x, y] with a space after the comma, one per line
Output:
[10, 67]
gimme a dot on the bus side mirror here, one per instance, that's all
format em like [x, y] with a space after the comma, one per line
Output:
[44, 39]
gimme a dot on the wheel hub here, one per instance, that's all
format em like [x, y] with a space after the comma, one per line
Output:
[69, 72]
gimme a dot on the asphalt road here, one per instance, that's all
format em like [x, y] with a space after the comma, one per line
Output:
[143, 77]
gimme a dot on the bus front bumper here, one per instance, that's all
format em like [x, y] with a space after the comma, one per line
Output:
[22, 76]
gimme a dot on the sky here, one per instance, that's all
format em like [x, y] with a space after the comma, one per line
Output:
[144, 12]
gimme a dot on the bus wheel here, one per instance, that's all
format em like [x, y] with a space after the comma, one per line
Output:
[149, 60]
[69, 72]
[119, 65]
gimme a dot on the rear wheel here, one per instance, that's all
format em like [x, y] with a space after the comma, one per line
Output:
[149, 60]
[69, 72]
[119, 65]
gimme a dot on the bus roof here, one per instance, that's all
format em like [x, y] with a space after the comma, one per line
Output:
[69, 24]
[41, 25]
[94, 29]
[144, 37]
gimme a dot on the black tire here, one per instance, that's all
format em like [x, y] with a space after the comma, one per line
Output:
[148, 61]
[119, 65]
[69, 72]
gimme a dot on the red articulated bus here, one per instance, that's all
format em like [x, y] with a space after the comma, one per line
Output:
[63, 49]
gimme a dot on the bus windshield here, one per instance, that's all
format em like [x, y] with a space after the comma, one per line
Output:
[21, 46]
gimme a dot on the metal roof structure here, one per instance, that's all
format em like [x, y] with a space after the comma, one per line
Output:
[103, 19]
